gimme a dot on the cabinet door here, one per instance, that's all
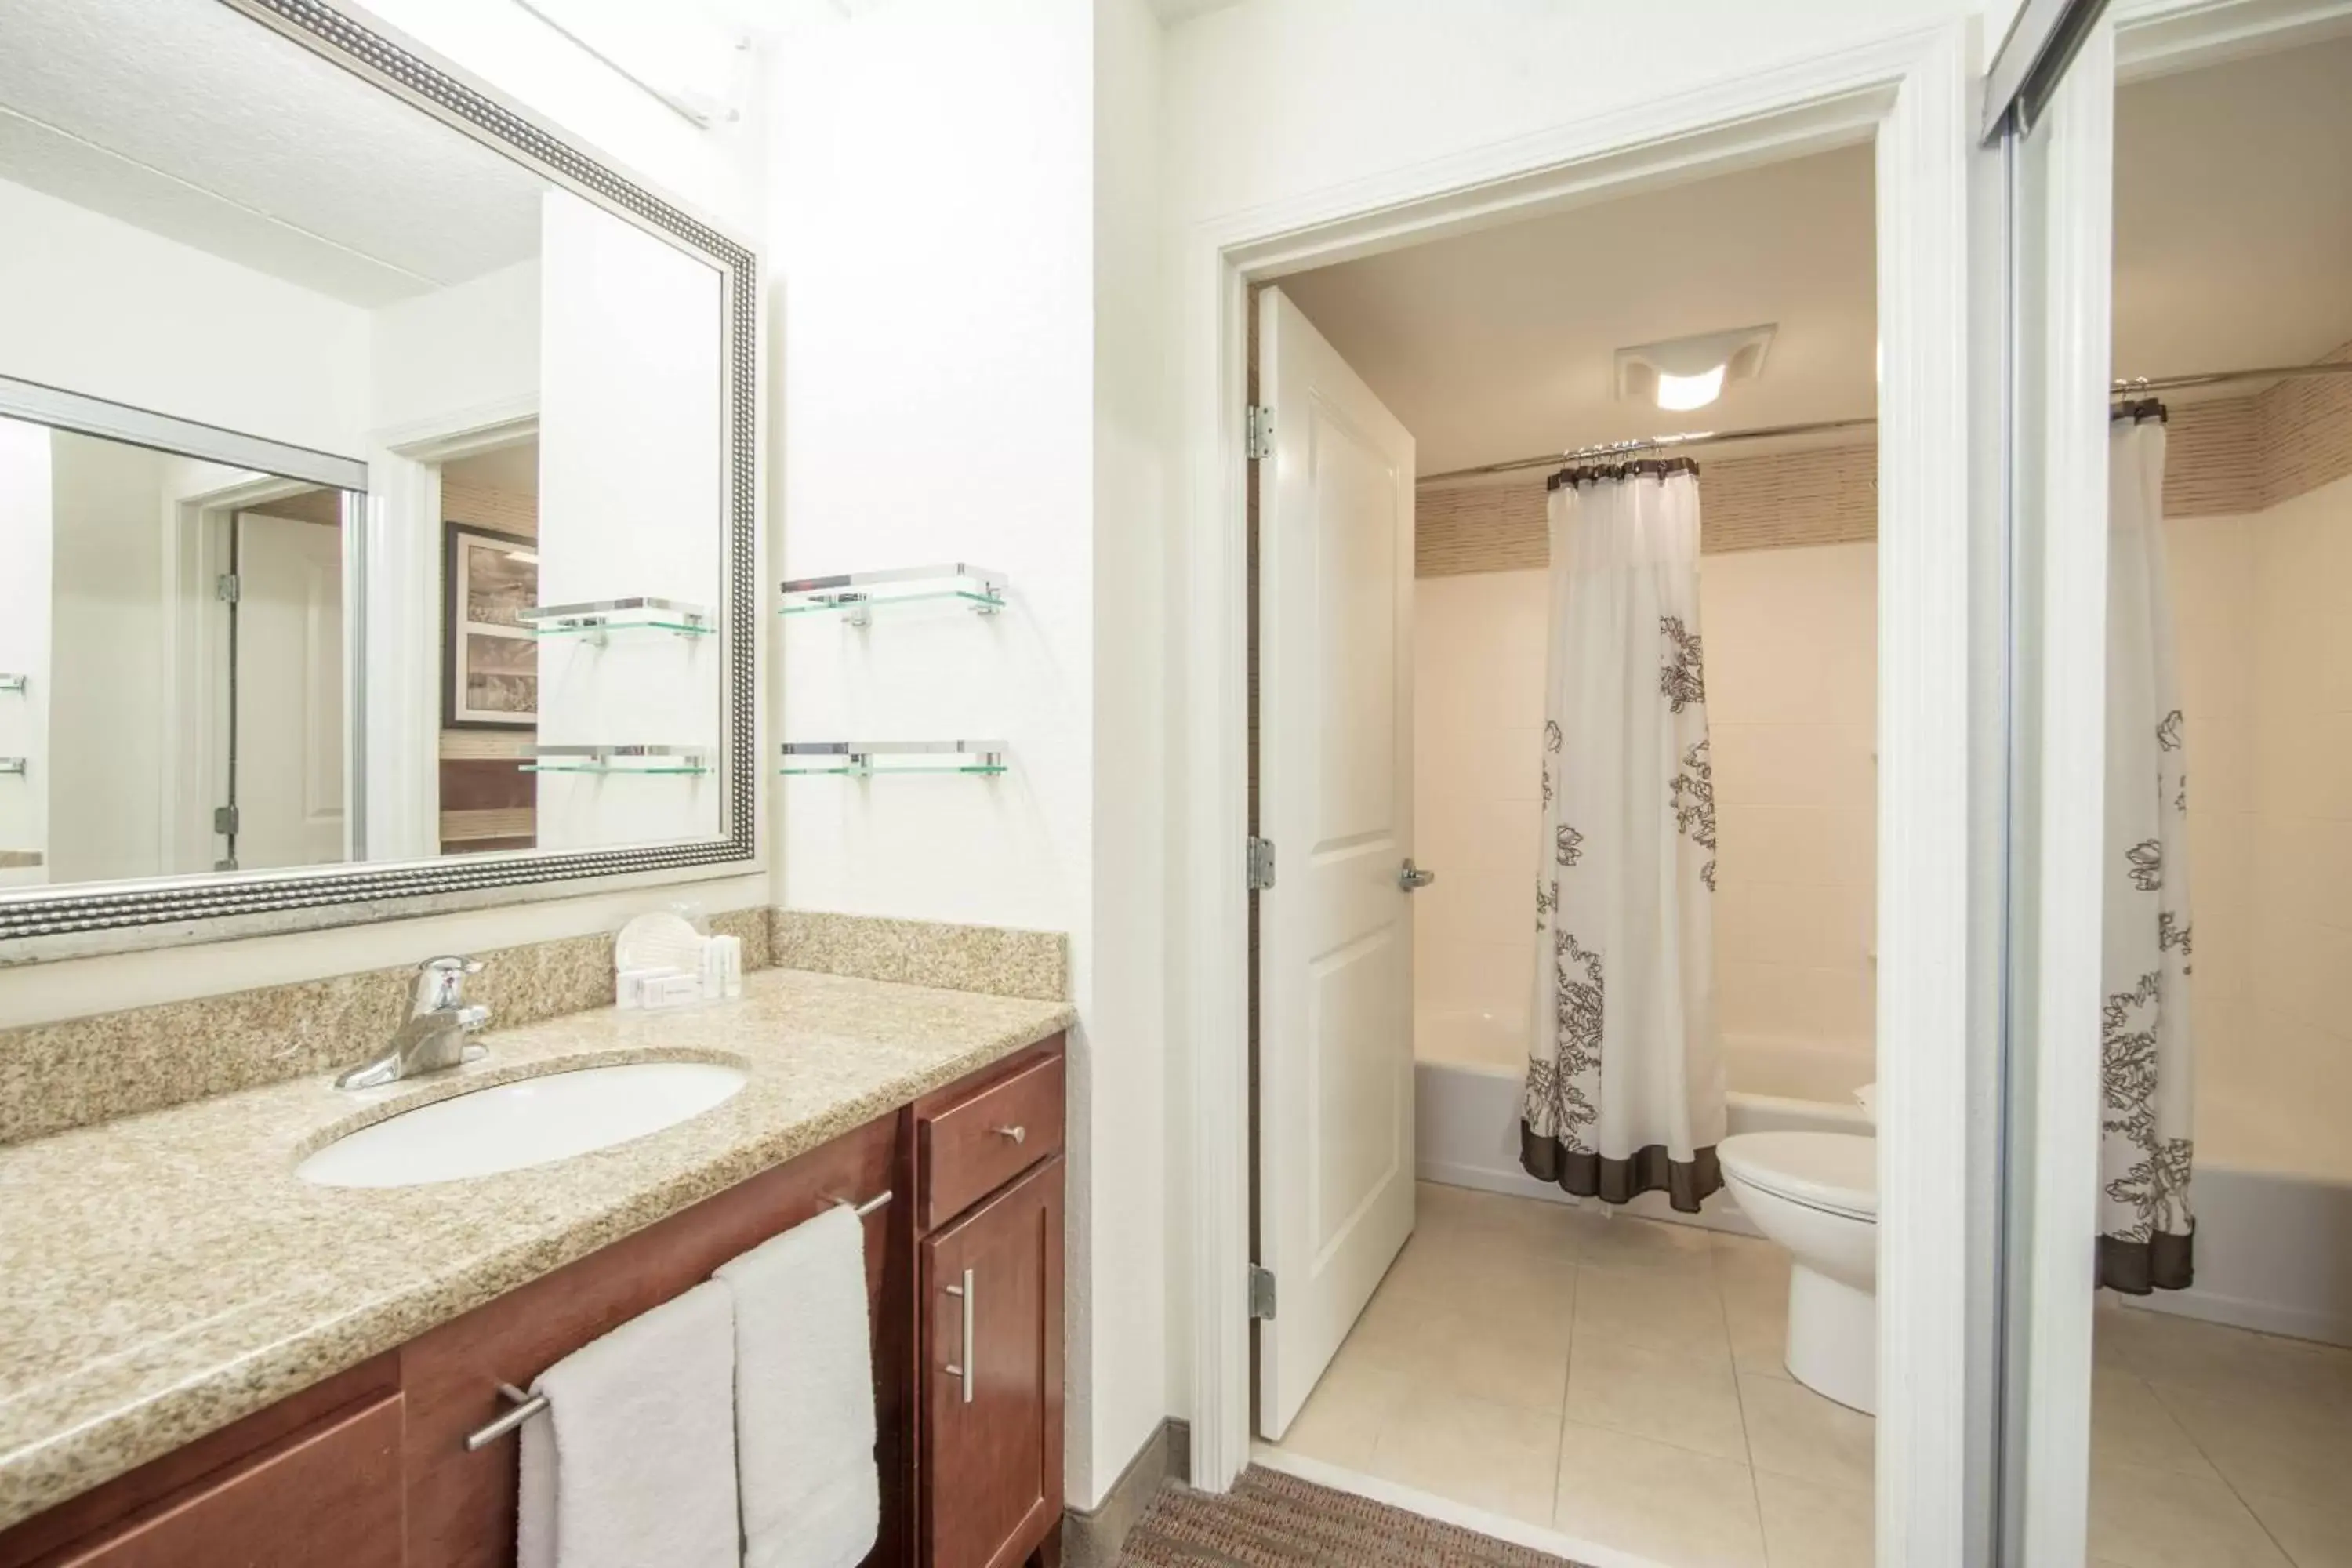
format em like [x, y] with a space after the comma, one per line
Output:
[992, 1402]
[330, 1496]
[461, 1504]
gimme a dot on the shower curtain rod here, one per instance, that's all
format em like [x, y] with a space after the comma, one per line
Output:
[1652, 444]
[2135, 387]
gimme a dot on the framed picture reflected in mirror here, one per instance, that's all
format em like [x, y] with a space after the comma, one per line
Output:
[490, 661]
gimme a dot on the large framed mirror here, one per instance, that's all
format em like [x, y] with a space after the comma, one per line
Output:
[376, 490]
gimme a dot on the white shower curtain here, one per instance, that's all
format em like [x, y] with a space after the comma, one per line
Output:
[2146, 1058]
[1624, 1086]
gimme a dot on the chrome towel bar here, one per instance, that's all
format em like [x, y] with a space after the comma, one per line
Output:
[525, 1405]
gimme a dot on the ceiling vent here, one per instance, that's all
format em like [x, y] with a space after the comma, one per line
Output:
[1691, 373]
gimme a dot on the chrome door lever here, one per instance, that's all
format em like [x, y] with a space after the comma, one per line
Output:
[1410, 877]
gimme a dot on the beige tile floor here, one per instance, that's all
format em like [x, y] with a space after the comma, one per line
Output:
[1620, 1380]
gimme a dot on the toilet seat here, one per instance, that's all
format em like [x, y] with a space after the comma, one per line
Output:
[1835, 1173]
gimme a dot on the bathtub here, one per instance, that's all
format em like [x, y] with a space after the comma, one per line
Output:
[1466, 1073]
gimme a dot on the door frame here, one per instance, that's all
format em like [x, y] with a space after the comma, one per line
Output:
[194, 643]
[403, 570]
[1911, 94]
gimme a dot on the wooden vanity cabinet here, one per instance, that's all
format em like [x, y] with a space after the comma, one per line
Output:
[369, 1469]
[988, 1182]
[462, 1505]
[991, 1447]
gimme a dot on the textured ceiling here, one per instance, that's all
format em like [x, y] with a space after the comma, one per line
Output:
[188, 118]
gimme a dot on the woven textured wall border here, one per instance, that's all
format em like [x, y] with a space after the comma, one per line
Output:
[2307, 433]
[2224, 457]
[1824, 496]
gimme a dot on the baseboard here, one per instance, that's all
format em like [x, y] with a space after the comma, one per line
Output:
[1093, 1538]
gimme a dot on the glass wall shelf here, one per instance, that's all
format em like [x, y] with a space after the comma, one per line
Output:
[649, 760]
[856, 594]
[593, 621]
[15, 683]
[864, 759]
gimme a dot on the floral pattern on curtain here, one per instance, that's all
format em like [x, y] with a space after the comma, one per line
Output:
[1624, 1089]
[2147, 1054]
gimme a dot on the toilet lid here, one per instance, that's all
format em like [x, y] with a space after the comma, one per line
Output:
[1835, 1172]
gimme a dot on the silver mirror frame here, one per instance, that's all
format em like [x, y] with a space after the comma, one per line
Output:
[36, 924]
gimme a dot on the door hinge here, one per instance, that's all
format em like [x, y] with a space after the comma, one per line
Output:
[226, 587]
[1261, 431]
[225, 821]
[1261, 864]
[1261, 1289]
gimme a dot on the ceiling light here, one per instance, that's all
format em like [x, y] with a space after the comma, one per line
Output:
[1682, 373]
[1686, 391]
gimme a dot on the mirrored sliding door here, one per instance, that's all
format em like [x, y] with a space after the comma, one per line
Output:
[2174, 1357]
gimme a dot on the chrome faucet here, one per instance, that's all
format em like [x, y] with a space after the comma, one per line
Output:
[434, 1038]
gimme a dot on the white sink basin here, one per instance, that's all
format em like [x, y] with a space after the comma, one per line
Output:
[530, 1122]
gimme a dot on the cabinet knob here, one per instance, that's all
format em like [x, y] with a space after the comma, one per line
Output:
[1018, 1134]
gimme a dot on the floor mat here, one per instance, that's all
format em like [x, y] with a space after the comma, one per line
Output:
[1272, 1521]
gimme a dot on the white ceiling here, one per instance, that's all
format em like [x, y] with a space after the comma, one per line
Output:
[2233, 227]
[512, 470]
[2234, 213]
[1498, 344]
[188, 118]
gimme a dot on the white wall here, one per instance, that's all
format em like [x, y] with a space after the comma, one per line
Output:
[1274, 98]
[25, 532]
[107, 731]
[965, 232]
[107, 308]
[1133, 562]
[1792, 688]
[473, 345]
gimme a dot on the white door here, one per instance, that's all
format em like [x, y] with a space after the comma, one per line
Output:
[288, 692]
[1335, 783]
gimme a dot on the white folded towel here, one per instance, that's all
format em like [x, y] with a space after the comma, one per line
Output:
[632, 1465]
[804, 1396]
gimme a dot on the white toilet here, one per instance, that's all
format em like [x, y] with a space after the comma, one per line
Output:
[1816, 1193]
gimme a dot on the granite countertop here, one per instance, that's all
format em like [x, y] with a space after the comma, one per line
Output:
[164, 1274]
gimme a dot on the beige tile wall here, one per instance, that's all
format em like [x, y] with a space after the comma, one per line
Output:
[1479, 679]
[2267, 680]
[1792, 670]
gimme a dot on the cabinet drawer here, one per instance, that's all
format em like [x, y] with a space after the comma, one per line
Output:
[330, 1496]
[974, 1145]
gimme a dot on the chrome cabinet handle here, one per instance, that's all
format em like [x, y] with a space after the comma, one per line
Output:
[963, 1369]
[1410, 877]
[1018, 1134]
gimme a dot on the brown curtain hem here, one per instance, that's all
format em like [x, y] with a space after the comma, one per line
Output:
[1685, 1183]
[2166, 1261]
